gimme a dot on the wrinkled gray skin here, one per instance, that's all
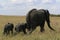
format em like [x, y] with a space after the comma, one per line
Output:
[37, 18]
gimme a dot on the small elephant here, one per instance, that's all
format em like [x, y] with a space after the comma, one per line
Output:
[21, 28]
[8, 27]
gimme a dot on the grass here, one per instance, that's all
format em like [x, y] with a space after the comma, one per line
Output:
[36, 35]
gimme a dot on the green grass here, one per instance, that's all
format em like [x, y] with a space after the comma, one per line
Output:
[36, 35]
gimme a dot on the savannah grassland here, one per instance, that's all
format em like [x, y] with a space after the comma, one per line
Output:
[36, 35]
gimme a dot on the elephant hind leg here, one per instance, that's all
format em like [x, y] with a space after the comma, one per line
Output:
[42, 26]
[11, 31]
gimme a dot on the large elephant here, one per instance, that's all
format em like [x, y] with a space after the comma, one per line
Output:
[37, 18]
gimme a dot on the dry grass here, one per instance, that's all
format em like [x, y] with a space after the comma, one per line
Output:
[36, 35]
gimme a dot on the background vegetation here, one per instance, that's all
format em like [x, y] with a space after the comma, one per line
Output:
[36, 35]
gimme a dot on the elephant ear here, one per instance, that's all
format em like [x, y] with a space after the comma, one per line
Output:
[28, 15]
[31, 11]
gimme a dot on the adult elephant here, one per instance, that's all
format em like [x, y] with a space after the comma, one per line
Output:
[37, 18]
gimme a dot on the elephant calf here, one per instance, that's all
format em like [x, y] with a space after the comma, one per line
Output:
[21, 28]
[8, 27]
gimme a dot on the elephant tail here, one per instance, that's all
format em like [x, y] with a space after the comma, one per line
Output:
[48, 19]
